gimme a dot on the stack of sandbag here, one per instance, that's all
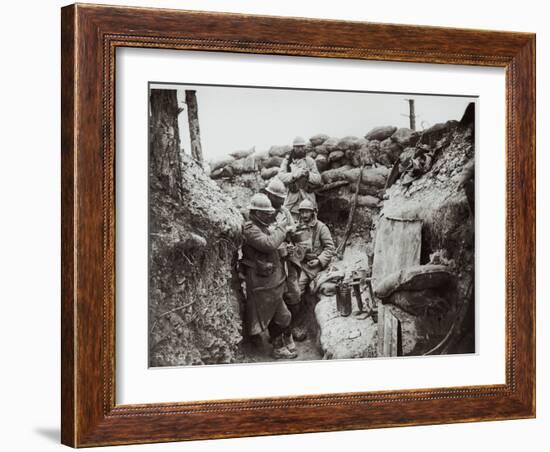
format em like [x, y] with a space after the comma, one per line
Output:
[249, 161]
[382, 146]
[371, 187]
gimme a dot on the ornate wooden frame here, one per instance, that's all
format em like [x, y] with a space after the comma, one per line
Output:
[90, 35]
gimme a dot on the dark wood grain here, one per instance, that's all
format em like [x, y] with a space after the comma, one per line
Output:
[90, 36]
[67, 226]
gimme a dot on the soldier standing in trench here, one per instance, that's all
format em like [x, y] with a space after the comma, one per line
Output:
[264, 275]
[276, 192]
[300, 174]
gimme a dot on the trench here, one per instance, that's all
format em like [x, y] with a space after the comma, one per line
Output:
[196, 310]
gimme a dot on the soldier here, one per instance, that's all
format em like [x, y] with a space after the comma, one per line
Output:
[276, 192]
[300, 174]
[265, 277]
[315, 236]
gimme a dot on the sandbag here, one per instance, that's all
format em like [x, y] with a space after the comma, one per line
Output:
[220, 163]
[367, 201]
[279, 151]
[371, 176]
[268, 173]
[272, 162]
[334, 175]
[354, 157]
[391, 149]
[404, 136]
[381, 133]
[418, 277]
[246, 165]
[371, 190]
[349, 142]
[322, 149]
[322, 162]
[243, 154]
[334, 156]
[318, 139]
[226, 171]
[366, 155]
[331, 144]
[216, 174]
[260, 156]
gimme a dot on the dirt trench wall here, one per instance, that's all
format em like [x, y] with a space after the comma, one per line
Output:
[194, 312]
[441, 195]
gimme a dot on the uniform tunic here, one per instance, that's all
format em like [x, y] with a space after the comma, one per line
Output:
[299, 188]
[319, 241]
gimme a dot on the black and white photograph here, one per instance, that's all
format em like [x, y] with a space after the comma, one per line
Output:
[297, 224]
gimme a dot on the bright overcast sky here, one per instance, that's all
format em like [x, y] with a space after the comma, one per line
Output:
[237, 118]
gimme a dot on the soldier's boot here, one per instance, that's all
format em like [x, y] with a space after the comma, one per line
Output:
[280, 351]
[289, 341]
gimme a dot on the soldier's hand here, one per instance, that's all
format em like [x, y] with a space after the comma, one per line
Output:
[291, 229]
[313, 262]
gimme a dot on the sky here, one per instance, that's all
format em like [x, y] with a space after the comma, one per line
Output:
[239, 118]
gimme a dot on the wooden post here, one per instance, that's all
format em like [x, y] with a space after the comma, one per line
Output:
[164, 146]
[194, 129]
[412, 117]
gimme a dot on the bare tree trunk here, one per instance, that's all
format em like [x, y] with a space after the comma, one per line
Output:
[194, 129]
[164, 146]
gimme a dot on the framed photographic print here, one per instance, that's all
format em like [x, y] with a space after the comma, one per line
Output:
[281, 225]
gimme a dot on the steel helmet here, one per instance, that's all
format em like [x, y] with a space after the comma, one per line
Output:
[276, 187]
[260, 202]
[299, 141]
[306, 204]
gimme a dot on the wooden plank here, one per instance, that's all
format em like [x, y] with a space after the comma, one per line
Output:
[397, 246]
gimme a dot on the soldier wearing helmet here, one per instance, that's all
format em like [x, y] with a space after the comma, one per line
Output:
[316, 238]
[264, 275]
[276, 192]
[300, 174]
